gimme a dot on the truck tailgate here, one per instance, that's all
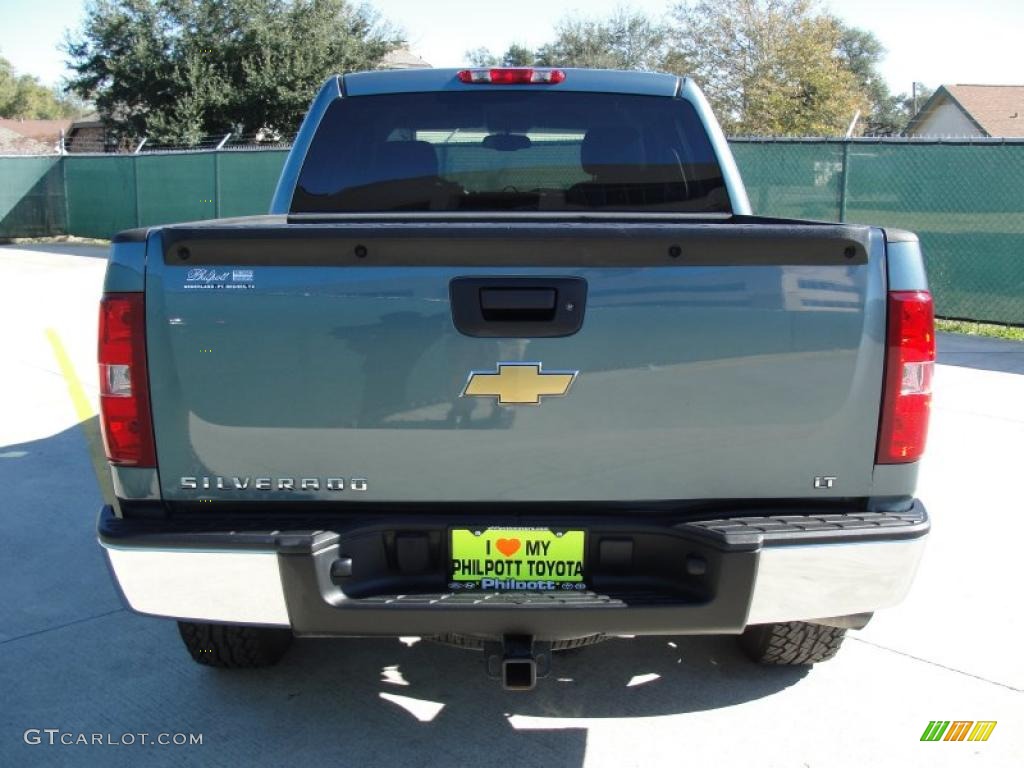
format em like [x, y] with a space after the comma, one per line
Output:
[720, 360]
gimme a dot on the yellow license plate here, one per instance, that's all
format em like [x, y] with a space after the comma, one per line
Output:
[516, 559]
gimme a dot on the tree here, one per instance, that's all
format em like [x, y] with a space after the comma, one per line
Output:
[481, 57]
[625, 40]
[178, 70]
[912, 103]
[769, 67]
[515, 55]
[23, 96]
[899, 110]
[888, 113]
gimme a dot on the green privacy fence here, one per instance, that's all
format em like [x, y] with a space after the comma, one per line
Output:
[966, 200]
[32, 199]
[106, 194]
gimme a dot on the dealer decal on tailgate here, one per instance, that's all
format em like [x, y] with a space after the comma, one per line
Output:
[517, 559]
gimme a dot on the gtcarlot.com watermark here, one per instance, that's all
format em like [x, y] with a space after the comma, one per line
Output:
[56, 737]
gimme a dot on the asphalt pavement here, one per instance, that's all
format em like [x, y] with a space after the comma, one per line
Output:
[72, 658]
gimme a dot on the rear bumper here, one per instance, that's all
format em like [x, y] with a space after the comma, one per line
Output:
[695, 577]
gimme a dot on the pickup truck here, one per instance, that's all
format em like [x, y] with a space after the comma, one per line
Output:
[511, 365]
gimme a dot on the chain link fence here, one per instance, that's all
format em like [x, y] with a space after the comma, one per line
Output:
[32, 198]
[963, 199]
[106, 194]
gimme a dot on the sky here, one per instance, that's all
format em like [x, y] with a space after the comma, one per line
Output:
[930, 41]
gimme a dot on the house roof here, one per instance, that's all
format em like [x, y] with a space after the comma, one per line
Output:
[14, 143]
[402, 58]
[996, 110]
[91, 120]
[38, 130]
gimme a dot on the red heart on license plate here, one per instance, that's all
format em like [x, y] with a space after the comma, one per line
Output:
[507, 547]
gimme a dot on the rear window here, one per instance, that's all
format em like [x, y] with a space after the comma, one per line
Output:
[513, 150]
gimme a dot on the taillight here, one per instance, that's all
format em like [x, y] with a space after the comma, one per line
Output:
[909, 366]
[512, 76]
[124, 383]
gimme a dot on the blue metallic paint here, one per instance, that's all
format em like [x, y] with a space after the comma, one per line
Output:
[282, 199]
[730, 173]
[906, 266]
[126, 268]
[691, 377]
[588, 80]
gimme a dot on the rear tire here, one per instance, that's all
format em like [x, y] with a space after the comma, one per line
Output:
[791, 642]
[232, 646]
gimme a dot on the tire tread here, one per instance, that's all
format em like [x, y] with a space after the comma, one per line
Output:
[228, 646]
[791, 642]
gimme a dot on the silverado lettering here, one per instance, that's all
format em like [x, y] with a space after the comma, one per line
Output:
[269, 483]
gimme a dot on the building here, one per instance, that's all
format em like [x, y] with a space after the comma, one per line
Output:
[42, 137]
[86, 134]
[402, 58]
[961, 111]
[31, 137]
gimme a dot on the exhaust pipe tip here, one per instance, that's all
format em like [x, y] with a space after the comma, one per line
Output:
[519, 674]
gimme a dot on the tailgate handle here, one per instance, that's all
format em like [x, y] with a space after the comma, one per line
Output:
[518, 307]
[511, 304]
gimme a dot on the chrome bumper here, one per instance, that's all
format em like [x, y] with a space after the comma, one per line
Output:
[823, 580]
[232, 587]
[760, 580]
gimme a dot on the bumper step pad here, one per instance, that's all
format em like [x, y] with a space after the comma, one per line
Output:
[815, 529]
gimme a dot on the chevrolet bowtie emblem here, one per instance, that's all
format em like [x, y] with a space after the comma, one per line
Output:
[519, 383]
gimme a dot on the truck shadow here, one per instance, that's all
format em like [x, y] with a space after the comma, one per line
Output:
[350, 701]
[389, 702]
[980, 353]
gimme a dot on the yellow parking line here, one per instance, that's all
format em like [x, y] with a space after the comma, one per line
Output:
[86, 416]
[83, 408]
